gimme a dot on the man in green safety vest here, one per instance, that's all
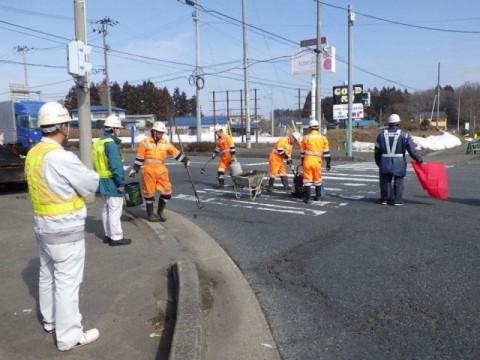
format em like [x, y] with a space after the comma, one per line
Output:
[107, 160]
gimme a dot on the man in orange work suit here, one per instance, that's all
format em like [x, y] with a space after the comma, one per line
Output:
[152, 154]
[281, 152]
[313, 147]
[224, 146]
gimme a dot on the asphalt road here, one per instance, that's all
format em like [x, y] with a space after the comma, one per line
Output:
[347, 278]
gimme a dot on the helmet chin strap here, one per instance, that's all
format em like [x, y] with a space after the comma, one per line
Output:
[63, 132]
[157, 135]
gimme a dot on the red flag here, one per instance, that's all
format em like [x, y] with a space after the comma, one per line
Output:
[433, 178]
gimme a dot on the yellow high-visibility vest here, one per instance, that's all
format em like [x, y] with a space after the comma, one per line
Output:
[45, 202]
[100, 160]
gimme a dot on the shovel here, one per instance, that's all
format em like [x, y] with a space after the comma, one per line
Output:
[202, 170]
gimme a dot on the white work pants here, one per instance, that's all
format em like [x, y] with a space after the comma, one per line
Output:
[111, 214]
[61, 273]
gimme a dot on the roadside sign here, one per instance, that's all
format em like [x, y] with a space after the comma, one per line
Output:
[340, 112]
[313, 42]
[340, 94]
[304, 62]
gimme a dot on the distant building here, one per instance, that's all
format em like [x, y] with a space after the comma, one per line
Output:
[432, 118]
[188, 125]
[141, 121]
[99, 113]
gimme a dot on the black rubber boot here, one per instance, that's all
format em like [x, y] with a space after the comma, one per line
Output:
[306, 194]
[270, 184]
[221, 183]
[161, 207]
[151, 217]
[318, 193]
[285, 183]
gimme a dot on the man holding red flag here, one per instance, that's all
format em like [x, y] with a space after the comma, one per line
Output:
[390, 148]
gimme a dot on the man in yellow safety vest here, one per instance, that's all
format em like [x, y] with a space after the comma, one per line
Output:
[57, 184]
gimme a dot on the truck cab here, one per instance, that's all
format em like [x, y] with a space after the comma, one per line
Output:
[28, 131]
[19, 123]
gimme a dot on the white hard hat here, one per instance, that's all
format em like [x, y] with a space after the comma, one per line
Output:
[218, 127]
[52, 113]
[159, 126]
[112, 121]
[393, 119]
[313, 124]
[297, 135]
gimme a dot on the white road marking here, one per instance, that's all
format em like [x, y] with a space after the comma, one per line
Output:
[358, 178]
[253, 205]
[350, 178]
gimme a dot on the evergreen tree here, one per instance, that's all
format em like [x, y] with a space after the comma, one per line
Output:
[71, 99]
[95, 98]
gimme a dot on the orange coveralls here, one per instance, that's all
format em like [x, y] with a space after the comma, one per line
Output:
[154, 173]
[225, 146]
[282, 150]
[313, 147]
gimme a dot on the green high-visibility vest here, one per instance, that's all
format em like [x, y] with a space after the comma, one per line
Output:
[100, 160]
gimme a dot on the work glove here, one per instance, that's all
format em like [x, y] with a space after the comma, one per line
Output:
[214, 156]
[328, 167]
[186, 162]
[289, 162]
[132, 173]
[234, 159]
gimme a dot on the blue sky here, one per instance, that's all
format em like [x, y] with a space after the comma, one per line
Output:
[156, 40]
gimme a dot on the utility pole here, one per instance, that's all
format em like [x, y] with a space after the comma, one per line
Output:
[83, 96]
[103, 29]
[318, 73]
[438, 96]
[23, 50]
[245, 76]
[458, 114]
[351, 18]
[197, 75]
[198, 81]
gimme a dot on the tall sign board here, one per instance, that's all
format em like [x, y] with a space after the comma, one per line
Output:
[340, 102]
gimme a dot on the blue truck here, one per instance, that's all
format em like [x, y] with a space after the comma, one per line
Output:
[18, 122]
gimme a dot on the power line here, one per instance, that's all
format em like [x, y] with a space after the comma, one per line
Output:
[402, 23]
[31, 64]
[223, 17]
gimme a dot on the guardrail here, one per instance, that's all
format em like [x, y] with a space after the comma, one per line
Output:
[473, 147]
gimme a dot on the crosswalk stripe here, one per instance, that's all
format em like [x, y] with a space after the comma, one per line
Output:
[343, 184]
[253, 205]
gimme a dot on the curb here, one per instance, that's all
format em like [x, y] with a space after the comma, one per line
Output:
[188, 338]
[218, 314]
